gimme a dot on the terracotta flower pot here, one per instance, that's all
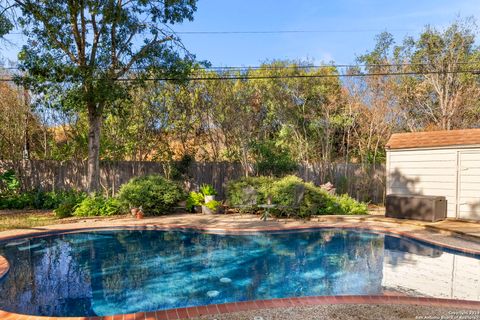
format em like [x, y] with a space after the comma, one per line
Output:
[139, 214]
[134, 211]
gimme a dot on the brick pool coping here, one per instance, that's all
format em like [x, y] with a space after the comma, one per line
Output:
[193, 312]
[213, 309]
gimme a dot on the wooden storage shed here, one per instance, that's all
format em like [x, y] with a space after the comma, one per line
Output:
[437, 163]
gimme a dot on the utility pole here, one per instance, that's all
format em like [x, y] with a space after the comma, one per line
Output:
[26, 142]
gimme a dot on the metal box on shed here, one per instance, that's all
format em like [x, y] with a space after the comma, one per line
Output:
[416, 207]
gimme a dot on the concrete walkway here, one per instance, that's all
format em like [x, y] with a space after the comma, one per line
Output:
[468, 229]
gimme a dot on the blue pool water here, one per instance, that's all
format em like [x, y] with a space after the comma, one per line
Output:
[113, 272]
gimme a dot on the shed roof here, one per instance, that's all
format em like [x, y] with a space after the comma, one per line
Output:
[429, 139]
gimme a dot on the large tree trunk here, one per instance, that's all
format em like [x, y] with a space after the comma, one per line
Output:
[93, 163]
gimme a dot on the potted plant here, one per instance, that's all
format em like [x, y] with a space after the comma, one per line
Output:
[211, 207]
[208, 192]
[194, 202]
[203, 201]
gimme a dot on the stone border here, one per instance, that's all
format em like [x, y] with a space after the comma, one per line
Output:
[192, 312]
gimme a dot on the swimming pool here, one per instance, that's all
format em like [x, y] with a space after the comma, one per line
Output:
[126, 271]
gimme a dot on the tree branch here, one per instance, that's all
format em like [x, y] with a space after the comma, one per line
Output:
[50, 30]
[140, 54]
[75, 31]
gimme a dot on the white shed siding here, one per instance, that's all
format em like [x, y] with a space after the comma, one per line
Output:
[426, 172]
[469, 185]
[450, 172]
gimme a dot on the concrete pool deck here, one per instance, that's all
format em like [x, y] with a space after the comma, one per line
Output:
[463, 236]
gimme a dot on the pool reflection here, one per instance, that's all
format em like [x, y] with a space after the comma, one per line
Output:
[416, 269]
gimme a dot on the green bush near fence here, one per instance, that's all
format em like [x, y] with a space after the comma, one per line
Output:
[98, 205]
[9, 182]
[153, 193]
[238, 190]
[283, 193]
[67, 206]
[39, 199]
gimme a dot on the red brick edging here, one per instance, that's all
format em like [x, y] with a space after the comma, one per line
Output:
[193, 312]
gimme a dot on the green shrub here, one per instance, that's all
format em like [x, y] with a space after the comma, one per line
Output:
[155, 194]
[9, 182]
[283, 193]
[39, 199]
[65, 209]
[349, 205]
[53, 199]
[17, 201]
[67, 205]
[98, 205]
[236, 190]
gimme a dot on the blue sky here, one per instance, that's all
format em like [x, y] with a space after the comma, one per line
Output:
[352, 26]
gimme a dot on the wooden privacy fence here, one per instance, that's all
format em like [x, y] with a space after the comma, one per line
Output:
[367, 184]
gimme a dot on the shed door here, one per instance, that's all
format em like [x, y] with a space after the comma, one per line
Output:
[468, 185]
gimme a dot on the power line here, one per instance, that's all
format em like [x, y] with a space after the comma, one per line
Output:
[338, 66]
[280, 67]
[213, 32]
[323, 66]
[250, 77]
[288, 31]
